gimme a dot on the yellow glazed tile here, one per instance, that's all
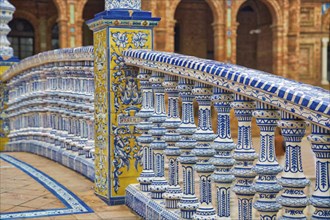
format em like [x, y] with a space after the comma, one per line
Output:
[101, 114]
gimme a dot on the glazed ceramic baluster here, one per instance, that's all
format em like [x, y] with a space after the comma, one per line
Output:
[159, 184]
[173, 194]
[320, 139]
[224, 145]
[244, 155]
[293, 180]
[204, 136]
[189, 202]
[145, 139]
[267, 166]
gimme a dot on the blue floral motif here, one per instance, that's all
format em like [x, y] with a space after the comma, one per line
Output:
[120, 39]
[139, 39]
[129, 4]
[123, 151]
[119, 64]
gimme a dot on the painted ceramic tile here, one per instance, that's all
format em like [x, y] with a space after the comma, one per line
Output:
[101, 114]
[125, 102]
[121, 4]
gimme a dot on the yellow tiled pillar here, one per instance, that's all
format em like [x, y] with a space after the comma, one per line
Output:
[120, 27]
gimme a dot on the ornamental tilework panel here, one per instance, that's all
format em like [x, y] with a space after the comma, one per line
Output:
[101, 114]
[117, 100]
[125, 102]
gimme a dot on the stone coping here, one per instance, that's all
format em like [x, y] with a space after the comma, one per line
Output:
[308, 102]
[59, 55]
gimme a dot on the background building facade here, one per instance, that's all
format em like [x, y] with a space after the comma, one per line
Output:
[285, 37]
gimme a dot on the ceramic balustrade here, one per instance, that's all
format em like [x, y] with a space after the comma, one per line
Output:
[204, 136]
[51, 110]
[50, 107]
[159, 184]
[320, 139]
[224, 145]
[267, 96]
[189, 202]
[267, 166]
[244, 154]
[145, 139]
[173, 193]
[293, 180]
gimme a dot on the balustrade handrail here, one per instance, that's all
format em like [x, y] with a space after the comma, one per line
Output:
[305, 101]
[59, 55]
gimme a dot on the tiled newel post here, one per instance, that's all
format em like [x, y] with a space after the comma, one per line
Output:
[158, 145]
[224, 145]
[293, 180]
[189, 202]
[267, 166]
[6, 60]
[145, 139]
[173, 193]
[204, 136]
[320, 139]
[244, 155]
[117, 98]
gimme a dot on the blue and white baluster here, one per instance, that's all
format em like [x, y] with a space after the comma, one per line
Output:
[189, 202]
[224, 145]
[267, 166]
[244, 155]
[293, 180]
[145, 139]
[204, 136]
[159, 183]
[320, 139]
[173, 193]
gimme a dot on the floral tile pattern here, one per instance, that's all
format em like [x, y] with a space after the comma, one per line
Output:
[117, 100]
[121, 4]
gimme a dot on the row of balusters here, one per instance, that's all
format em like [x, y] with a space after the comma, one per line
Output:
[53, 105]
[216, 158]
[54, 77]
[65, 131]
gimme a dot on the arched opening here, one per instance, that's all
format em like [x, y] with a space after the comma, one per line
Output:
[193, 29]
[55, 37]
[91, 8]
[254, 36]
[21, 38]
[42, 16]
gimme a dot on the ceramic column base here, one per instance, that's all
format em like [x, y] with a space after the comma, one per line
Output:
[322, 207]
[205, 212]
[172, 197]
[145, 180]
[158, 187]
[188, 205]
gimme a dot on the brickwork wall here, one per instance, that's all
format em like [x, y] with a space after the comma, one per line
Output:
[290, 46]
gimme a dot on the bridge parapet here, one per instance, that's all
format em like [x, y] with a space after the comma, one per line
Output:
[51, 107]
[275, 102]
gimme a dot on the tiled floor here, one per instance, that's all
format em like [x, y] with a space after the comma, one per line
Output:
[19, 192]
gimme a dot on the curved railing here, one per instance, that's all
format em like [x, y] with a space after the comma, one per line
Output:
[51, 113]
[51, 107]
[274, 102]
